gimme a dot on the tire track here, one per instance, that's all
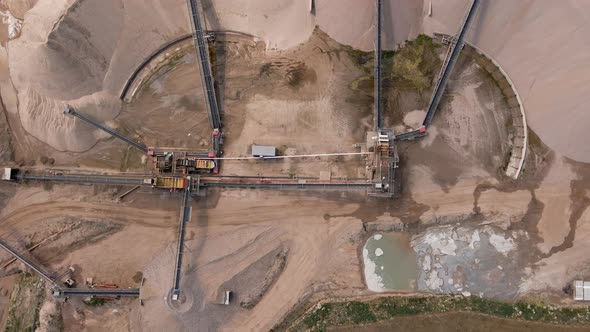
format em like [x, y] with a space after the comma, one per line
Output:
[123, 215]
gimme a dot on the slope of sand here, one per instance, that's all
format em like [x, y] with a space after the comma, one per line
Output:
[543, 47]
[280, 23]
[82, 52]
[69, 50]
[82, 55]
[352, 22]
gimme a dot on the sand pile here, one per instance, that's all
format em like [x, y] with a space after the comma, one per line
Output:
[18, 8]
[549, 71]
[69, 50]
[82, 55]
[352, 22]
[280, 23]
[543, 47]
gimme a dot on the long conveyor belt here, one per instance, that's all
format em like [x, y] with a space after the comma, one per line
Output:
[128, 292]
[185, 215]
[70, 111]
[28, 263]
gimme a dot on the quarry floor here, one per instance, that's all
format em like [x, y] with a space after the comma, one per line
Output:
[301, 101]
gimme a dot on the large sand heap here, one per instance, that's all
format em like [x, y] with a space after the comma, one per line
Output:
[543, 47]
[280, 23]
[541, 44]
[81, 52]
[352, 22]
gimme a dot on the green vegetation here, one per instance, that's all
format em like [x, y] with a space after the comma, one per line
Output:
[318, 316]
[359, 312]
[364, 59]
[355, 312]
[408, 71]
[388, 54]
[415, 64]
[423, 39]
[95, 302]
[174, 60]
[25, 303]
[361, 58]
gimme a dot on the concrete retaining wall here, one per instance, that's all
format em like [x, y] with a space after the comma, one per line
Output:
[519, 124]
[149, 65]
[520, 140]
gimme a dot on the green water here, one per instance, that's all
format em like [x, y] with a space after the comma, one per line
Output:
[397, 267]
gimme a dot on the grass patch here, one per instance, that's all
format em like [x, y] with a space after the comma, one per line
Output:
[358, 313]
[317, 316]
[387, 54]
[409, 70]
[416, 63]
[95, 302]
[423, 39]
[174, 60]
[365, 59]
[361, 58]
[25, 303]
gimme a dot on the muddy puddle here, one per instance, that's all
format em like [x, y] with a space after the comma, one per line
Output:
[390, 263]
[472, 260]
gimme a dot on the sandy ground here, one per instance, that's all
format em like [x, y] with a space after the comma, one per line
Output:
[548, 71]
[67, 46]
[281, 24]
[279, 92]
[534, 71]
[222, 253]
[273, 97]
[173, 107]
[102, 42]
[232, 230]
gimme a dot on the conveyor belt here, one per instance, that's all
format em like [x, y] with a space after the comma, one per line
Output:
[410, 135]
[71, 111]
[447, 68]
[91, 179]
[340, 186]
[130, 292]
[184, 218]
[28, 263]
[206, 73]
[378, 57]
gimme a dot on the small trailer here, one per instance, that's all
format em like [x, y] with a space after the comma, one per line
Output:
[581, 290]
[261, 151]
[9, 174]
[226, 297]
